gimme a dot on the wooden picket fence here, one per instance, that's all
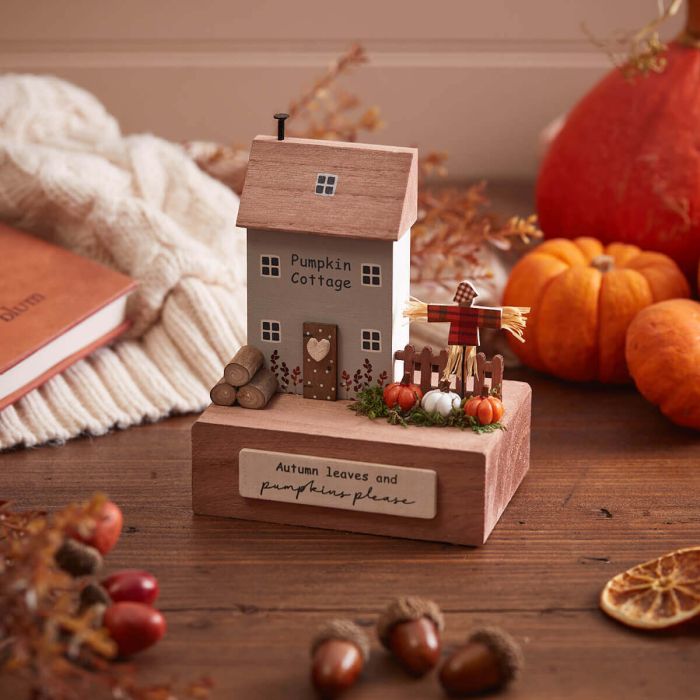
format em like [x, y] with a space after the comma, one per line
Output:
[429, 365]
[424, 362]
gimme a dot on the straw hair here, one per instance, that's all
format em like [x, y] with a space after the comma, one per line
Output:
[416, 310]
[513, 320]
[454, 361]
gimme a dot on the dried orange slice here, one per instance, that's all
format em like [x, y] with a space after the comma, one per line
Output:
[657, 594]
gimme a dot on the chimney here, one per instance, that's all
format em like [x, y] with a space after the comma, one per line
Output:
[280, 117]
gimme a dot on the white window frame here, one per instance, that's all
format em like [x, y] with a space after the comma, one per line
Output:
[270, 331]
[370, 275]
[278, 267]
[370, 340]
[324, 184]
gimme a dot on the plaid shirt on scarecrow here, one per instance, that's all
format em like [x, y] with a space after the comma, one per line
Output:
[465, 321]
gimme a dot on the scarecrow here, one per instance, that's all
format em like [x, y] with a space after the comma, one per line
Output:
[465, 321]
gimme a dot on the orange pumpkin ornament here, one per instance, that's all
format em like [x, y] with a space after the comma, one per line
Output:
[663, 355]
[625, 164]
[583, 297]
[403, 394]
[486, 409]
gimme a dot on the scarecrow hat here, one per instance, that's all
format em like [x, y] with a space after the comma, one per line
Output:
[466, 293]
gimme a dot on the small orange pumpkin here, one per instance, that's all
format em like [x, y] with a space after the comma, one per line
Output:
[663, 355]
[486, 409]
[583, 297]
[403, 394]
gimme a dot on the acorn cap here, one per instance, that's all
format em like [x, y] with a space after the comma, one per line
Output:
[406, 609]
[78, 559]
[342, 629]
[93, 594]
[504, 647]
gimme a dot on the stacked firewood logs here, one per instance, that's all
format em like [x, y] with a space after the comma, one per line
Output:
[246, 381]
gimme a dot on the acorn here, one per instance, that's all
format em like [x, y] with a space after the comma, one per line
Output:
[410, 629]
[78, 559]
[489, 661]
[339, 651]
[93, 594]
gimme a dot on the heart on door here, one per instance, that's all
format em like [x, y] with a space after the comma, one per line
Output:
[318, 349]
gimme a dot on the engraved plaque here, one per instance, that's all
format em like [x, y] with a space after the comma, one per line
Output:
[337, 483]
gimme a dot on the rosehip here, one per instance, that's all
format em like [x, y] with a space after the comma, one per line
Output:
[132, 584]
[107, 529]
[133, 626]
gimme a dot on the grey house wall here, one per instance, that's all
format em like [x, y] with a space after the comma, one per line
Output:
[320, 281]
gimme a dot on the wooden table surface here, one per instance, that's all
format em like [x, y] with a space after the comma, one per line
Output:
[611, 484]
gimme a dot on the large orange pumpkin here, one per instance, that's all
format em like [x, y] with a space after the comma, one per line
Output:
[663, 355]
[583, 297]
[625, 165]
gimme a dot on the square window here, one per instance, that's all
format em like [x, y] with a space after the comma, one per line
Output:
[271, 331]
[326, 184]
[270, 265]
[371, 340]
[371, 275]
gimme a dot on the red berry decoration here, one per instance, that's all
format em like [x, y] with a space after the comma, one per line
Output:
[133, 585]
[403, 395]
[107, 529]
[133, 626]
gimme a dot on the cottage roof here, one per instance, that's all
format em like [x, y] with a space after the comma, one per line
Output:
[375, 188]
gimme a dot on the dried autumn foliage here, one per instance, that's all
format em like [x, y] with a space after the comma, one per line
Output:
[325, 111]
[452, 227]
[453, 223]
[640, 52]
[53, 649]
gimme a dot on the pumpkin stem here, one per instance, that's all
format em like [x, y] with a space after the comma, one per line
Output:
[604, 263]
[444, 385]
[406, 378]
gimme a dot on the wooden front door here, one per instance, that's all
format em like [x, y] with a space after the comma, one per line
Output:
[320, 361]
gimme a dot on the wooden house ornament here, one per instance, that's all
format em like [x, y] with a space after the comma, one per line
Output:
[328, 235]
[328, 231]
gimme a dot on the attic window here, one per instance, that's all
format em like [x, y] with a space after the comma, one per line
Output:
[371, 340]
[326, 183]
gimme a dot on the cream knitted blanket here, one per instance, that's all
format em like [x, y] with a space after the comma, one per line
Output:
[141, 206]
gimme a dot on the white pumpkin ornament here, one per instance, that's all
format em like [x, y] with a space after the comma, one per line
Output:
[441, 400]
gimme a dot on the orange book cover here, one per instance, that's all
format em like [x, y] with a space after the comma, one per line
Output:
[55, 307]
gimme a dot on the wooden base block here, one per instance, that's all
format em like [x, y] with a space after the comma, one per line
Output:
[458, 482]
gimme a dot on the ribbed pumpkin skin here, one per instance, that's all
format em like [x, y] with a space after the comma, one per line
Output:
[626, 165]
[579, 315]
[663, 354]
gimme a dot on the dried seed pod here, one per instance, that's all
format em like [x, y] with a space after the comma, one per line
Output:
[78, 559]
[489, 661]
[410, 628]
[339, 651]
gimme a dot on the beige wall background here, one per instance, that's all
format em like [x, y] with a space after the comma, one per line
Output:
[477, 79]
